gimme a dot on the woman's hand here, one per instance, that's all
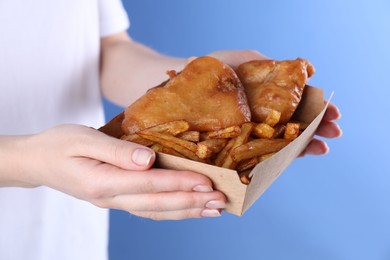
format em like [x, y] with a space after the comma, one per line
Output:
[328, 128]
[111, 173]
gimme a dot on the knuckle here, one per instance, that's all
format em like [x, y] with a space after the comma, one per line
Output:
[80, 142]
[149, 185]
[93, 191]
[192, 179]
[186, 214]
[194, 201]
[100, 203]
[120, 153]
[146, 186]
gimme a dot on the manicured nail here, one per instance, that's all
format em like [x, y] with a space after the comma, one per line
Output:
[210, 213]
[142, 157]
[202, 188]
[216, 204]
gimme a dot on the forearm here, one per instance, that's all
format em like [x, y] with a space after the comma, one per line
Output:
[129, 69]
[12, 160]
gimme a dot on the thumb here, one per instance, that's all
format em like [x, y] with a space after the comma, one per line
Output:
[123, 154]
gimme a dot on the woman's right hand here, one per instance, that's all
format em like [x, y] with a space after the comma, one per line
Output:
[108, 172]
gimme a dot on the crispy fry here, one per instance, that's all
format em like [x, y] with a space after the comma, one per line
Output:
[246, 130]
[263, 130]
[186, 148]
[171, 151]
[209, 147]
[272, 118]
[192, 136]
[228, 132]
[247, 164]
[279, 131]
[302, 125]
[134, 138]
[292, 131]
[258, 147]
[223, 153]
[244, 177]
[171, 128]
[203, 151]
[265, 156]
[157, 147]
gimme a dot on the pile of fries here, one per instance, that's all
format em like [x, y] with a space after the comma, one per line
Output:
[238, 148]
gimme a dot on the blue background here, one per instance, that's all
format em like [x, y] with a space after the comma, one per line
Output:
[328, 207]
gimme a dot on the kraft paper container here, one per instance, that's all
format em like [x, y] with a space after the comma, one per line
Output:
[240, 196]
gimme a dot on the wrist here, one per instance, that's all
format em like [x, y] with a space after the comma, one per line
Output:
[14, 162]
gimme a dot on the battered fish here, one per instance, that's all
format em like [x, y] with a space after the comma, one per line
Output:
[277, 85]
[207, 94]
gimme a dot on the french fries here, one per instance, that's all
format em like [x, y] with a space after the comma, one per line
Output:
[228, 132]
[134, 138]
[292, 131]
[209, 147]
[221, 156]
[244, 177]
[186, 148]
[192, 136]
[159, 148]
[171, 128]
[246, 130]
[264, 130]
[279, 131]
[239, 148]
[272, 118]
[258, 147]
[247, 164]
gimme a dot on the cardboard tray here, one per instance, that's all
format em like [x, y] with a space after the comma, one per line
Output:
[240, 196]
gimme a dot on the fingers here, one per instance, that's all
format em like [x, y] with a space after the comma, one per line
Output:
[114, 181]
[329, 129]
[315, 147]
[158, 194]
[169, 201]
[332, 112]
[178, 214]
[126, 155]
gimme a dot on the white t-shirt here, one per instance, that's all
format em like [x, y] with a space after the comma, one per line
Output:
[49, 65]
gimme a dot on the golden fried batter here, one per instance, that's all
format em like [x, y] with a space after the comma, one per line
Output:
[274, 85]
[207, 94]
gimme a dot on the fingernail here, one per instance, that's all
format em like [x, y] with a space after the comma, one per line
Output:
[202, 188]
[210, 213]
[142, 157]
[216, 204]
[340, 132]
[326, 150]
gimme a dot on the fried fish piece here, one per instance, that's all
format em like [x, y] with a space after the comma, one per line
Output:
[274, 85]
[207, 94]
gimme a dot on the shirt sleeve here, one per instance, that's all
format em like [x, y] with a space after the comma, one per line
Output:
[113, 17]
